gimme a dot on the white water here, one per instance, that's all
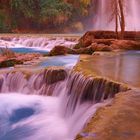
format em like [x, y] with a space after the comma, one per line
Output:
[101, 20]
[36, 117]
[41, 43]
[43, 121]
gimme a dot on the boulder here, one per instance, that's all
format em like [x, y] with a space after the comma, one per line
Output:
[58, 50]
[55, 74]
[86, 40]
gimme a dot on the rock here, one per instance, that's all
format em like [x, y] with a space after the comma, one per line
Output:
[55, 74]
[97, 45]
[62, 50]
[10, 63]
[58, 50]
[125, 45]
[104, 41]
[86, 40]
[92, 36]
[90, 39]
[88, 50]
[101, 47]
[104, 37]
[117, 121]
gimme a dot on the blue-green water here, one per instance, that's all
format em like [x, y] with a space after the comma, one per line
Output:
[60, 61]
[28, 50]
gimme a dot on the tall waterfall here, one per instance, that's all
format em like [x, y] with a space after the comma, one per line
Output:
[103, 13]
[53, 104]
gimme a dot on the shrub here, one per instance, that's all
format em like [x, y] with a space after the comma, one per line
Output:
[7, 52]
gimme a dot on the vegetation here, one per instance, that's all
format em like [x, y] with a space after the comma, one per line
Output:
[10, 63]
[7, 52]
[19, 15]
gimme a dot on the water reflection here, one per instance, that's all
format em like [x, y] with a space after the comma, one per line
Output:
[122, 67]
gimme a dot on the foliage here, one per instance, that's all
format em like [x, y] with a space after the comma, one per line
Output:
[10, 63]
[3, 27]
[23, 6]
[17, 14]
[51, 10]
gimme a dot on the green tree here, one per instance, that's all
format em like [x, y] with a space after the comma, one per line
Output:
[37, 13]
[55, 11]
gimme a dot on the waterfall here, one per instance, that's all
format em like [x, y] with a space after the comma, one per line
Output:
[104, 10]
[42, 83]
[50, 104]
[134, 20]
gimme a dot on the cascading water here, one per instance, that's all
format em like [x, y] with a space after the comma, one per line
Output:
[35, 43]
[68, 101]
[134, 21]
[104, 10]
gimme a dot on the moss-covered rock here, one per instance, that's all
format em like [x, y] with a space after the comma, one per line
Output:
[10, 63]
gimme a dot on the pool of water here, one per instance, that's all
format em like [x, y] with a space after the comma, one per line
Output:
[68, 60]
[29, 50]
[122, 67]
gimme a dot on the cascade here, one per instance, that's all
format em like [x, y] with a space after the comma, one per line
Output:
[50, 104]
[42, 83]
[42, 43]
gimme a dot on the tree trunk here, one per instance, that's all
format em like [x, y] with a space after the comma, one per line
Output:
[116, 18]
[122, 19]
